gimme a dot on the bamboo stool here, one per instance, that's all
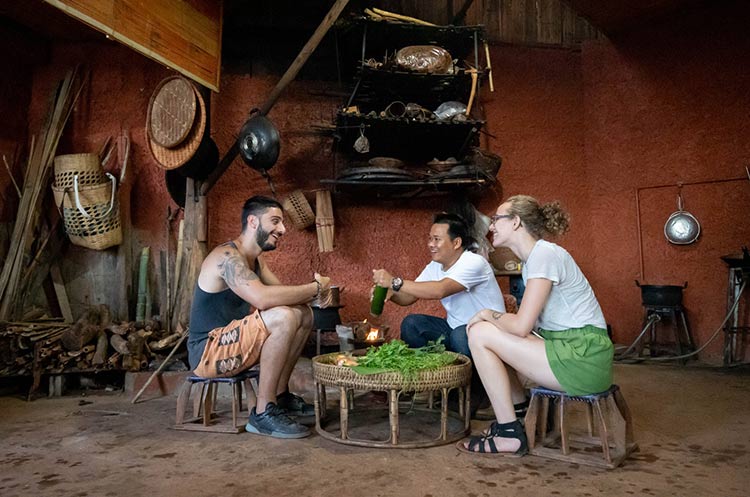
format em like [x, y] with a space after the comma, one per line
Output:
[608, 424]
[205, 416]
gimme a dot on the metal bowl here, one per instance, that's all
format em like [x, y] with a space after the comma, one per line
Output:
[682, 228]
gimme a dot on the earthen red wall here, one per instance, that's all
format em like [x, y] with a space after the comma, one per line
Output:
[668, 104]
[588, 128]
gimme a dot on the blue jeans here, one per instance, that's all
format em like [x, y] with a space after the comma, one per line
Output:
[418, 329]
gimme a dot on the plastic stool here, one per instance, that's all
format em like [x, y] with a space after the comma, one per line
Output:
[607, 414]
[205, 416]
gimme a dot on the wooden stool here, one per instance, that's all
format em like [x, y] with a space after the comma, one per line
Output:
[607, 414]
[205, 417]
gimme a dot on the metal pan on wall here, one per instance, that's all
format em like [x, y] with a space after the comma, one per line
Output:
[681, 228]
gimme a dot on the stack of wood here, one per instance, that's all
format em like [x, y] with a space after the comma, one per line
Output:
[93, 343]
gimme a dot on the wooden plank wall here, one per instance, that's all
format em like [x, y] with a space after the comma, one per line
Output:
[520, 22]
[182, 34]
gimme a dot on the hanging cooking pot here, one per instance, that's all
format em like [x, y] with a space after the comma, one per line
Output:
[682, 228]
[259, 143]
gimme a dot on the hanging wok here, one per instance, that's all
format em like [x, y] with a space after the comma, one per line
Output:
[259, 143]
[681, 228]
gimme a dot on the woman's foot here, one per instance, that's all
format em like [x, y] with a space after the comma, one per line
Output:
[500, 438]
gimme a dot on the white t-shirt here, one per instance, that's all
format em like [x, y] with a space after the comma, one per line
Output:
[571, 303]
[475, 274]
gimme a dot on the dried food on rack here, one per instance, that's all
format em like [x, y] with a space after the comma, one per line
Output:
[425, 59]
[442, 165]
[386, 162]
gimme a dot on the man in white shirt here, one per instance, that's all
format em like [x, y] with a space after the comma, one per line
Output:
[463, 281]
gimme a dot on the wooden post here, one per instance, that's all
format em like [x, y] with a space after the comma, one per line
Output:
[193, 252]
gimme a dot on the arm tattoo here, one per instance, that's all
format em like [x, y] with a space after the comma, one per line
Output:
[496, 315]
[233, 269]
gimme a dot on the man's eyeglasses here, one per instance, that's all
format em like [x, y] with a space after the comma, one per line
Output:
[497, 217]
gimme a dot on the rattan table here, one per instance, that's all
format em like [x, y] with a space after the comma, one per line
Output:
[454, 376]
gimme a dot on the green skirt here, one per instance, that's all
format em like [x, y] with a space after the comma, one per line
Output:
[580, 358]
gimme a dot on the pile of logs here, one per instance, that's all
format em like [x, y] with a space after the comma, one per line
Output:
[93, 343]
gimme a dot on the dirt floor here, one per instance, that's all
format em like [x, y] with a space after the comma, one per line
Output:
[691, 425]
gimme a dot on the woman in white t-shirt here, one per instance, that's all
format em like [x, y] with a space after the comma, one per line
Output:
[569, 351]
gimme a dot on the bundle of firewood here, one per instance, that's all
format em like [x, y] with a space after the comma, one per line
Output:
[93, 343]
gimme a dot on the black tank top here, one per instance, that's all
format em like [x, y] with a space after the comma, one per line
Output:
[210, 311]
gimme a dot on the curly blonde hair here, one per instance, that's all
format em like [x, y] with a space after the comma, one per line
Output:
[539, 219]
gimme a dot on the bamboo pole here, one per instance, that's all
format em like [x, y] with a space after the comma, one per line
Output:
[140, 312]
[400, 17]
[161, 366]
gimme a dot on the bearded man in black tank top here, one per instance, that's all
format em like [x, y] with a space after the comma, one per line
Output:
[242, 315]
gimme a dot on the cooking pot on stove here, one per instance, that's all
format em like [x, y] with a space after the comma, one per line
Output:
[681, 228]
[661, 295]
[259, 143]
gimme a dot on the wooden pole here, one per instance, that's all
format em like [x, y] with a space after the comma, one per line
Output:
[288, 77]
[161, 366]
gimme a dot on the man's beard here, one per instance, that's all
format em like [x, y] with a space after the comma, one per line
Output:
[261, 238]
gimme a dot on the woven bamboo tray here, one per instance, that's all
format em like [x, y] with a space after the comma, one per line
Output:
[326, 371]
[456, 375]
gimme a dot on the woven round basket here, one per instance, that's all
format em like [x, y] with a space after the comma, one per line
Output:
[298, 209]
[94, 220]
[326, 371]
[172, 111]
[172, 158]
[87, 167]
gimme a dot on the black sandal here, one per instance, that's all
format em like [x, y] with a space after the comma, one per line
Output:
[521, 409]
[514, 429]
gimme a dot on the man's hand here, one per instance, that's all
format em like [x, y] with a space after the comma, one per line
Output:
[323, 281]
[388, 294]
[324, 298]
[382, 278]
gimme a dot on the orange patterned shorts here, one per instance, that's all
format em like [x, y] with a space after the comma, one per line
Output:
[233, 348]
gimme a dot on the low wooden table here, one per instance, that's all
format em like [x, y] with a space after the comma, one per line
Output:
[456, 375]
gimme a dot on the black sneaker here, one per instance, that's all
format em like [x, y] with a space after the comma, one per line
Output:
[294, 405]
[274, 422]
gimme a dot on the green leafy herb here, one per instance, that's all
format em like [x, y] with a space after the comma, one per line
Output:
[397, 356]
